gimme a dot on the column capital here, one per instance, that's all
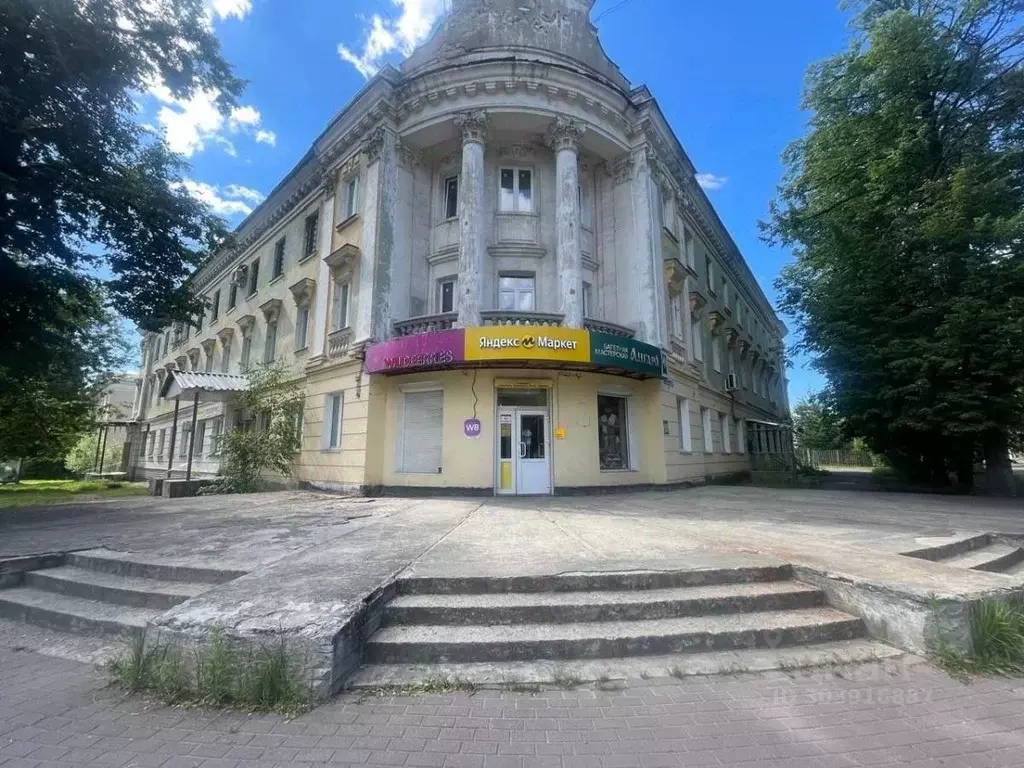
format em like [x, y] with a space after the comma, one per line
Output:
[565, 133]
[472, 126]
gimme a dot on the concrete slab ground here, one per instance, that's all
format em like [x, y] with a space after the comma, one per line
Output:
[318, 564]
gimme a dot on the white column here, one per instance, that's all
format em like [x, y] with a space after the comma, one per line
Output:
[318, 333]
[564, 138]
[649, 275]
[472, 241]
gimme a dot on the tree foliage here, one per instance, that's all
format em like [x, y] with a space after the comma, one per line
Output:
[270, 436]
[904, 205]
[817, 424]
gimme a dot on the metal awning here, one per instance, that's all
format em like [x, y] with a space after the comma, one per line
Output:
[186, 383]
[773, 424]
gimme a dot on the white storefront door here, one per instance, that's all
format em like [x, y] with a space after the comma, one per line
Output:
[524, 461]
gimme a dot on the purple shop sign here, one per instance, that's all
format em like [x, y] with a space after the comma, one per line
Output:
[472, 428]
[412, 353]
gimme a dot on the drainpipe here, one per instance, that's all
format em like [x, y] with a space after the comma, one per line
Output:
[192, 437]
[174, 435]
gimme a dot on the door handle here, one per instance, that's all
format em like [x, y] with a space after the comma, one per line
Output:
[522, 449]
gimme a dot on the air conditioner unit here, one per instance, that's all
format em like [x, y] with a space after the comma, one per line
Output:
[732, 382]
[240, 274]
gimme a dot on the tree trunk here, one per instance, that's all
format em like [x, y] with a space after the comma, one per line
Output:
[998, 469]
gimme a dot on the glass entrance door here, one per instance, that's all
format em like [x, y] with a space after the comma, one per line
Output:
[523, 451]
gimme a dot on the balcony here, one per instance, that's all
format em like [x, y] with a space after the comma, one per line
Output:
[338, 341]
[425, 324]
[600, 326]
[508, 317]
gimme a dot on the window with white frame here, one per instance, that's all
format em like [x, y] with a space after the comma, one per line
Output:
[613, 432]
[725, 292]
[515, 191]
[278, 269]
[232, 298]
[301, 327]
[451, 197]
[724, 426]
[270, 343]
[698, 339]
[517, 293]
[151, 444]
[225, 358]
[685, 438]
[186, 430]
[254, 276]
[421, 427]
[705, 425]
[209, 361]
[352, 197]
[246, 351]
[334, 404]
[339, 304]
[216, 426]
[215, 306]
[668, 212]
[197, 447]
[716, 353]
[688, 247]
[675, 303]
[445, 299]
[709, 268]
[311, 228]
[160, 443]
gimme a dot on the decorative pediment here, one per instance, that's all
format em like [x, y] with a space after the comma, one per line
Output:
[209, 347]
[732, 336]
[344, 260]
[181, 363]
[271, 309]
[246, 323]
[675, 274]
[697, 301]
[716, 320]
[303, 291]
[226, 335]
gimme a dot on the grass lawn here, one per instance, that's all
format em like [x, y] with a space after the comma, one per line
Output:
[42, 492]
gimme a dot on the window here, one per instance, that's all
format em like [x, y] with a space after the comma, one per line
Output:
[421, 443]
[588, 300]
[446, 294]
[301, 327]
[516, 192]
[254, 276]
[215, 307]
[215, 427]
[685, 438]
[197, 448]
[334, 403]
[516, 293]
[339, 307]
[352, 197]
[278, 259]
[676, 310]
[668, 212]
[709, 440]
[724, 425]
[151, 444]
[688, 247]
[716, 353]
[186, 430]
[741, 436]
[698, 339]
[270, 343]
[243, 363]
[612, 432]
[199, 321]
[725, 292]
[167, 342]
[709, 266]
[312, 224]
[160, 443]
[225, 359]
[451, 197]
[209, 361]
[233, 296]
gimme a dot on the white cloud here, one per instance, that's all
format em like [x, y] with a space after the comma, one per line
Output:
[222, 9]
[711, 182]
[189, 124]
[385, 36]
[232, 200]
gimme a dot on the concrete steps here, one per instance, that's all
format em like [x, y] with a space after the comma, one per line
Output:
[100, 592]
[984, 552]
[493, 629]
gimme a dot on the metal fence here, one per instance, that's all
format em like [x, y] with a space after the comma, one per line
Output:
[819, 458]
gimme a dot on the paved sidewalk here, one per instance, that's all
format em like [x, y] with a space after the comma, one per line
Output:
[58, 713]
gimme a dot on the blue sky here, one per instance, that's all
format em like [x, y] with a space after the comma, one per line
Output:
[727, 73]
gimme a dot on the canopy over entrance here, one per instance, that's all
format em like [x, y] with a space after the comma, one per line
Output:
[185, 383]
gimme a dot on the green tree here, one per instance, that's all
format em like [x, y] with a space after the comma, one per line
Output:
[91, 212]
[272, 407]
[904, 206]
[818, 426]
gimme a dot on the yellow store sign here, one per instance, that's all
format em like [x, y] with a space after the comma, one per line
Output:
[524, 342]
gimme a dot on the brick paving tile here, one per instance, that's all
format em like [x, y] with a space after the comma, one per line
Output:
[56, 713]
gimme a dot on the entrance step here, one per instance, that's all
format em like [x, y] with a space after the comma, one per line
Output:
[600, 605]
[488, 629]
[73, 614]
[120, 564]
[602, 640]
[547, 673]
[113, 588]
[995, 557]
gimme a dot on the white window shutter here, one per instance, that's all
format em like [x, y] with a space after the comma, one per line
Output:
[422, 419]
